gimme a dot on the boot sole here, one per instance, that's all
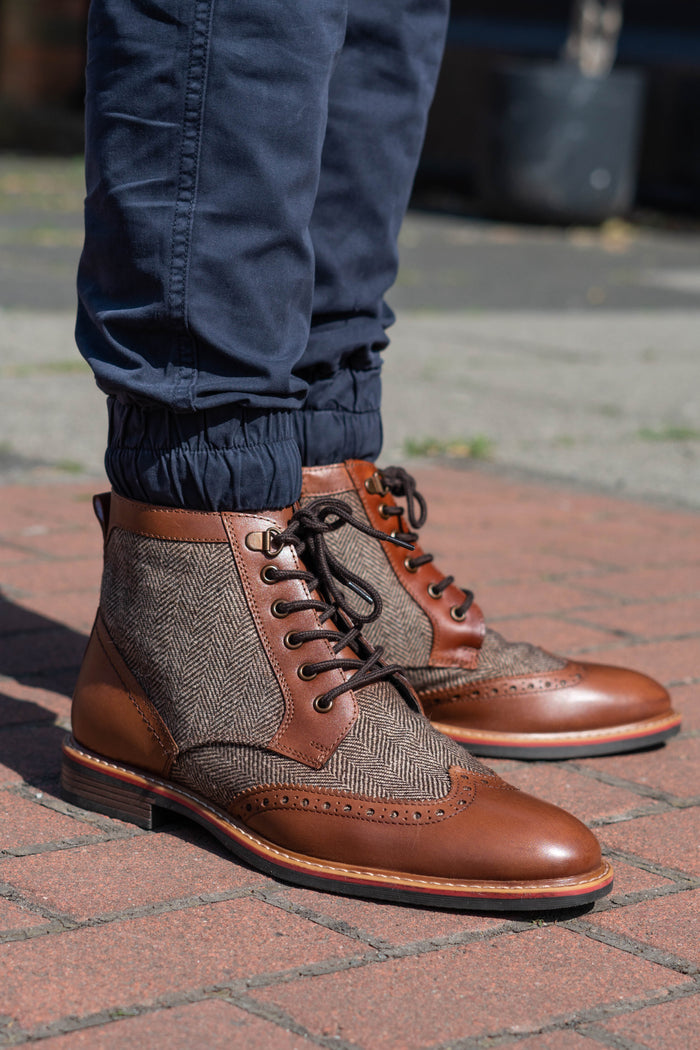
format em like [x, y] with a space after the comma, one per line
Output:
[586, 743]
[96, 783]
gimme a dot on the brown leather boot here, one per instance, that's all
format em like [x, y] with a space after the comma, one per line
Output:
[226, 679]
[495, 697]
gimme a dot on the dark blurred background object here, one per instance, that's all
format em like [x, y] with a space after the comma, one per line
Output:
[42, 62]
[660, 40]
[42, 52]
[561, 138]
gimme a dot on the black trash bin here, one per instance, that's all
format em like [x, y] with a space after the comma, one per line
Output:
[561, 147]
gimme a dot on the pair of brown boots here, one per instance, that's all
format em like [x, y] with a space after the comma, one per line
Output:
[264, 674]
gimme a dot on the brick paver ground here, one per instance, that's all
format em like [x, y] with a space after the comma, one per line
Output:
[114, 938]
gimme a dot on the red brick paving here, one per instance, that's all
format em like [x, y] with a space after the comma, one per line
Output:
[390, 923]
[587, 799]
[630, 879]
[552, 633]
[670, 923]
[567, 569]
[213, 944]
[24, 823]
[675, 770]
[671, 1026]
[562, 1040]
[685, 700]
[210, 1025]
[113, 876]
[671, 661]
[670, 839]
[532, 978]
[16, 917]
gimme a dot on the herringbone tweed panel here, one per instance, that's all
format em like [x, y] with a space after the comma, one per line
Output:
[497, 659]
[390, 752]
[178, 615]
[403, 628]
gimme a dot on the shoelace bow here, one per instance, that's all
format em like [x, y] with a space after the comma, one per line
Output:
[402, 484]
[306, 532]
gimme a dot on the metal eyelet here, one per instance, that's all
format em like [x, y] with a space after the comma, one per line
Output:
[305, 674]
[322, 705]
[433, 592]
[289, 644]
[276, 611]
[268, 574]
[383, 511]
[459, 617]
[408, 564]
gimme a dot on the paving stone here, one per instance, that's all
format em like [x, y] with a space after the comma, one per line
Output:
[15, 917]
[66, 542]
[30, 753]
[669, 839]
[671, 661]
[652, 619]
[25, 823]
[674, 768]
[20, 702]
[666, 1026]
[106, 877]
[40, 652]
[138, 960]
[510, 982]
[564, 1040]
[385, 922]
[68, 609]
[630, 879]
[673, 582]
[515, 599]
[212, 1024]
[49, 577]
[586, 798]
[686, 700]
[670, 923]
[549, 632]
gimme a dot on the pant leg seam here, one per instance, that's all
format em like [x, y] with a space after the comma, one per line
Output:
[181, 240]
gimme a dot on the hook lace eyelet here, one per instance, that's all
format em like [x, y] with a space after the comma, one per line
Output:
[305, 673]
[433, 591]
[375, 486]
[264, 541]
[322, 705]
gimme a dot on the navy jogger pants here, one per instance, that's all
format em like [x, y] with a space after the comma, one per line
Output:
[248, 166]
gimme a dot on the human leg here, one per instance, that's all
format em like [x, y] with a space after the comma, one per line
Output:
[379, 96]
[225, 677]
[205, 125]
[498, 698]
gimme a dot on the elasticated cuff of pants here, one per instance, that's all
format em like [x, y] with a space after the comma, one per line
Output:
[216, 459]
[341, 418]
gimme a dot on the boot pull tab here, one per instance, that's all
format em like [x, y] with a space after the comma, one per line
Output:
[100, 505]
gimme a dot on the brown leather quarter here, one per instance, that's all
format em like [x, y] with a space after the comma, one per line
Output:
[455, 643]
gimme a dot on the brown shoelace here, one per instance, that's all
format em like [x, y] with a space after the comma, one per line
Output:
[306, 532]
[402, 484]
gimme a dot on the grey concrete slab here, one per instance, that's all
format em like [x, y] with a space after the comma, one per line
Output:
[569, 353]
[610, 399]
